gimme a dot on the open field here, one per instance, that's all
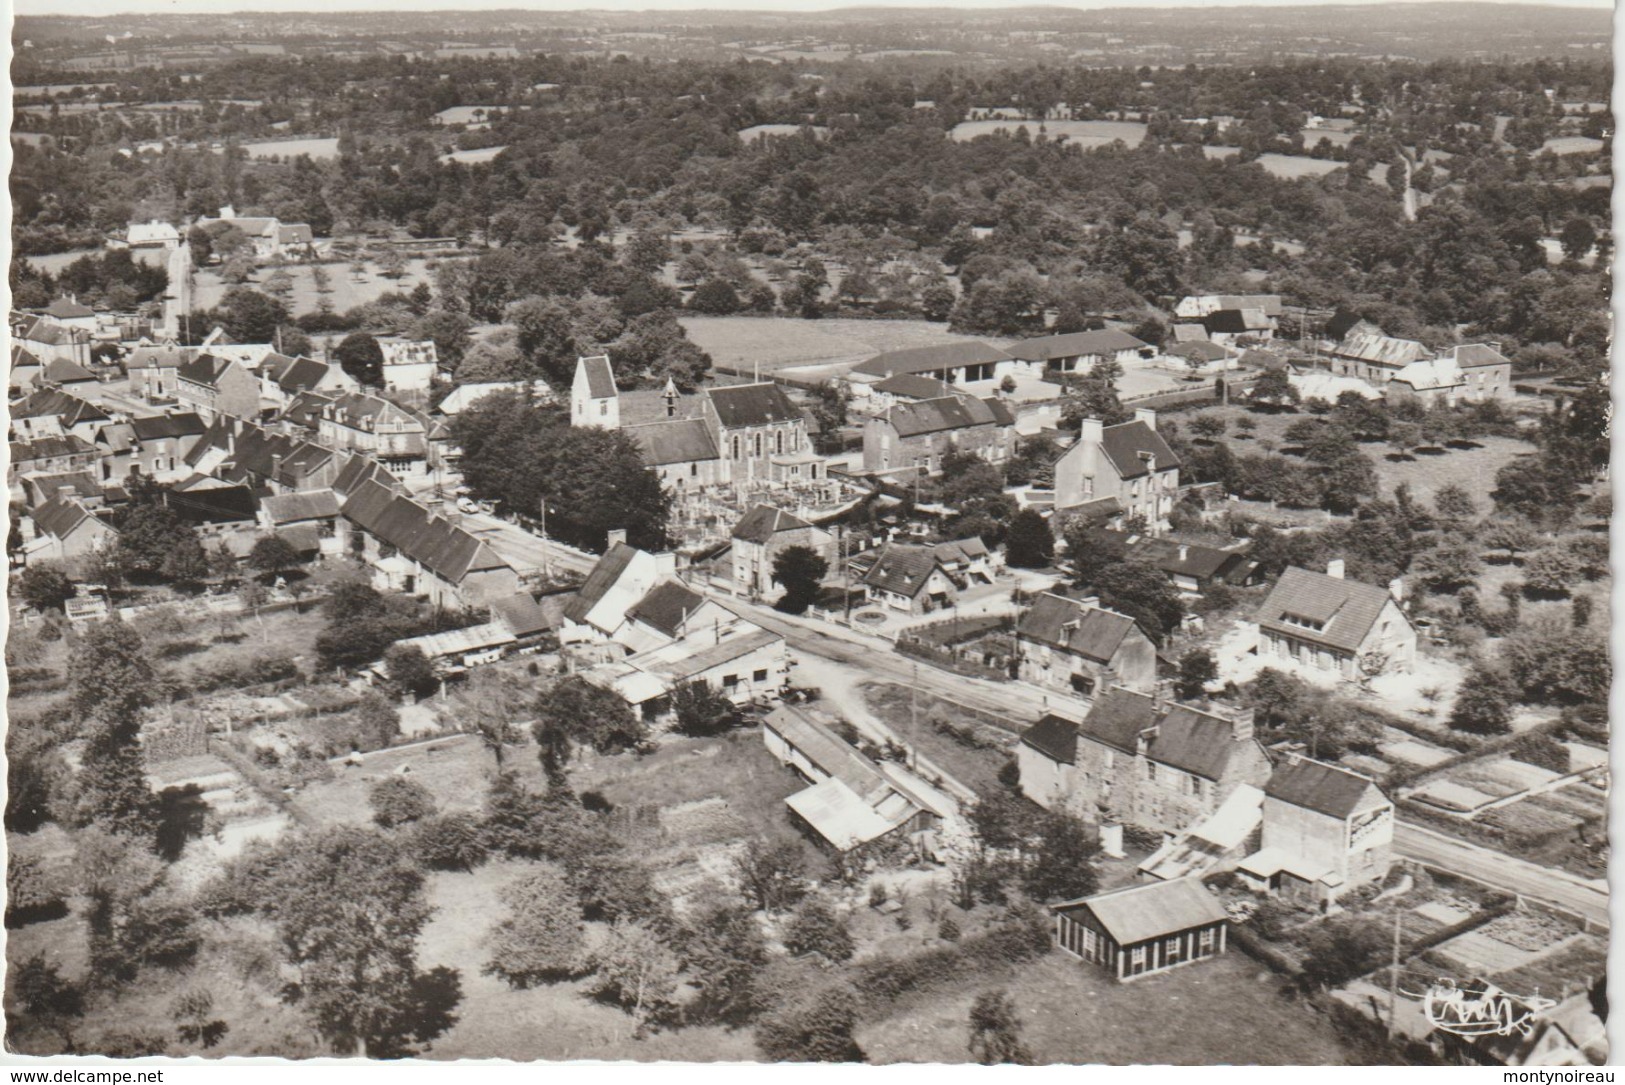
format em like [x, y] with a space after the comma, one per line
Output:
[1225, 1010]
[1087, 134]
[775, 343]
[478, 155]
[292, 148]
[344, 291]
[1292, 166]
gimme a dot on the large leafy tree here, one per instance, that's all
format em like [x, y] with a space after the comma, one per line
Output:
[995, 1031]
[542, 937]
[637, 970]
[800, 569]
[362, 358]
[154, 543]
[113, 682]
[574, 712]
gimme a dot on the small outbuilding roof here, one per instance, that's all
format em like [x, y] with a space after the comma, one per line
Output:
[1140, 913]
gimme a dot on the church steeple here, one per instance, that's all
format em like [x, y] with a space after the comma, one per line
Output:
[594, 400]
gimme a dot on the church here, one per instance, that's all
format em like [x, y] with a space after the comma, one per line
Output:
[730, 435]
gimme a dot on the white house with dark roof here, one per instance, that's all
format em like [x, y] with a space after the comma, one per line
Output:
[1143, 929]
[1325, 622]
[284, 379]
[910, 579]
[387, 431]
[621, 577]
[1137, 759]
[212, 386]
[1080, 352]
[761, 535]
[1197, 306]
[155, 234]
[66, 529]
[409, 364]
[1125, 470]
[1077, 647]
[1326, 830]
[594, 401]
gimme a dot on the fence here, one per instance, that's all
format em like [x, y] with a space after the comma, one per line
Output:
[968, 662]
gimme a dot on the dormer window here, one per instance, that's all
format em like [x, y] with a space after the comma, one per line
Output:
[1303, 622]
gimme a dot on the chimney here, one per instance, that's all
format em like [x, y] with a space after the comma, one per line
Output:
[276, 464]
[1092, 432]
[616, 536]
[1241, 724]
[1143, 740]
[1335, 568]
[65, 492]
[1146, 415]
[1184, 552]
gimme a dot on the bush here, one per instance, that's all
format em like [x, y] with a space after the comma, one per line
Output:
[541, 938]
[815, 928]
[399, 801]
[1542, 749]
[32, 894]
[454, 841]
[241, 673]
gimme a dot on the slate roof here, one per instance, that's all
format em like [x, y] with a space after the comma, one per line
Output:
[1186, 738]
[761, 523]
[1236, 321]
[66, 371]
[22, 357]
[1189, 333]
[600, 379]
[1347, 608]
[1380, 349]
[357, 470]
[1097, 633]
[165, 356]
[68, 309]
[261, 454]
[681, 440]
[966, 550]
[55, 403]
[158, 427]
[45, 448]
[435, 543]
[205, 369]
[930, 359]
[59, 516]
[903, 570]
[666, 607]
[307, 505]
[1140, 913]
[1200, 350]
[1315, 785]
[943, 414]
[305, 409]
[1055, 738]
[1102, 341]
[294, 375]
[38, 330]
[521, 614]
[1124, 443]
[1171, 556]
[118, 437]
[218, 505]
[42, 487]
[914, 386]
[602, 578]
[740, 405]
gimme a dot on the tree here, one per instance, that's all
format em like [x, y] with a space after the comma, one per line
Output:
[995, 1031]
[1274, 389]
[410, 670]
[772, 873]
[360, 356]
[195, 1024]
[1450, 566]
[817, 1027]
[1196, 670]
[399, 800]
[1551, 572]
[1537, 487]
[800, 569]
[573, 711]
[715, 297]
[542, 937]
[112, 683]
[636, 970]
[246, 315]
[1207, 426]
[1060, 862]
[1028, 542]
[726, 956]
[815, 928]
[1339, 952]
[44, 586]
[154, 543]
[1510, 533]
[937, 301]
[1143, 593]
[44, 996]
[348, 907]
[1484, 703]
[272, 555]
[1551, 662]
[493, 705]
[377, 722]
[448, 331]
[1577, 237]
[701, 710]
[451, 841]
[1453, 503]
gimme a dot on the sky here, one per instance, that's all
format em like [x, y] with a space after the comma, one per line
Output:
[215, 7]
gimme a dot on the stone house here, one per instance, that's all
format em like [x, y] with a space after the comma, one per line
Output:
[1326, 830]
[1075, 646]
[1325, 622]
[1127, 469]
[761, 535]
[918, 436]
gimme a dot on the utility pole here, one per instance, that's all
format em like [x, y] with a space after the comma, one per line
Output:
[547, 570]
[846, 576]
[1393, 976]
[913, 717]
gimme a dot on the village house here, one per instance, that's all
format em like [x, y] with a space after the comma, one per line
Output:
[669, 611]
[967, 561]
[241, 452]
[732, 657]
[1473, 373]
[918, 436]
[214, 386]
[156, 446]
[1136, 759]
[621, 577]
[1191, 567]
[155, 370]
[67, 530]
[1326, 831]
[1080, 352]
[1126, 470]
[910, 579]
[1143, 929]
[760, 536]
[957, 364]
[309, 520]
[47, 455]
[409, 365]
[1197, 306]
[69, 312]
[852, 800]
[52, 412]
[1374, 357]
[269, 237]
[66, 374]
[26, 370]
[1325, 622]
[903, 388]
[394, 436]
[1075, 646]
[284, 379]
[594, 400]
[50, 341]
[419, 551]
[155, 234]
[1234, 327]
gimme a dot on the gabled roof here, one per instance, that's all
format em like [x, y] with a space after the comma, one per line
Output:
[40, 330]
[680, 440]
[1171, 556]
[600, 378]
[46, 448]
[1237, 321]
[218, 505]
[761, 523]
[1102, 341]
[362, 411]
[68, 309]
[22, 357]
[163, 356]
[930, 359]
[1325, 789]
[666, 607]
[41, 487]
[305, 409]
[282, 509]
[294, 375]
[1471, 355]
[1380, 349]
[740, 405]
[943, 414]
[1344, 609]
[1140, 913]
[902, 570]
[66, 371]
[1071, 625]
[117, 437]
[957, 550]
[59, 517]
[157, 427]
[825, 749]
[914, 386]
[1199, 350]
[1055, 738]
[1190, 333]
[520, 614]
[1125, 443]
[435, 543]
[55, 403]
[1431, 375]
[357, 470]
[1178, 735]
[604, 574]
[205, 369]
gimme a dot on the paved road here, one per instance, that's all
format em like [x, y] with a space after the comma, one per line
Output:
[526, 552]
[1558, 887]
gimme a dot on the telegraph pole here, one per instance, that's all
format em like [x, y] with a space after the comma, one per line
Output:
[1393, 977]
[914, 718]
